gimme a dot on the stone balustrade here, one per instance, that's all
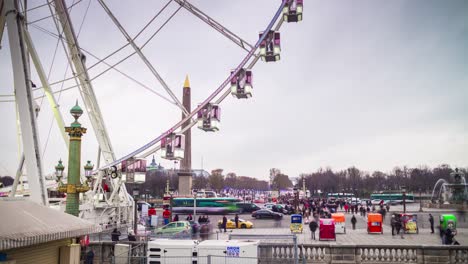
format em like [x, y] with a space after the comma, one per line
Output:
[351, 254]
[275, 253]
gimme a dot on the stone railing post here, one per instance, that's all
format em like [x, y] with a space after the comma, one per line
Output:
[420, 255]
[344, 254]
[436, 254]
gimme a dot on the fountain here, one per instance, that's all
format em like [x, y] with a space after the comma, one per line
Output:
[450, 195]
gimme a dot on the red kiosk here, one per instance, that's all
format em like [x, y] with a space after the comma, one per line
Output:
[327, 229]
[374, 223]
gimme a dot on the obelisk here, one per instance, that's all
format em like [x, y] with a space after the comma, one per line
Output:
[185, 173]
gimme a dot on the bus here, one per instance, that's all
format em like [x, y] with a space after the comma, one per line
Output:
[395, 197]
[214, 205]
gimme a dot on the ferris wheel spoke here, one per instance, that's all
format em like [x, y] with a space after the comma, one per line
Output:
[143, 57]
[214, 24]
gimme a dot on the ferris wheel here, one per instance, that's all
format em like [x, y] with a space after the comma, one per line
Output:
[206, 116]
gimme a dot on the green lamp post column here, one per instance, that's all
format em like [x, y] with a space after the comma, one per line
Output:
[74, 187]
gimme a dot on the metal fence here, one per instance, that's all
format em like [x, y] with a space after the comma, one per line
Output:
[193, 260]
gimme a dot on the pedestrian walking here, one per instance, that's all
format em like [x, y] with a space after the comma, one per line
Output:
[236, 220]
[89, 258]
[224, 223]
[448, 237]
[166, 216]
[115, 235]
[353, 222]
[189, 217]
[313, 227]
[131, 236]
[431, 221]
[383, 212]
[393, 224]
[399, 227]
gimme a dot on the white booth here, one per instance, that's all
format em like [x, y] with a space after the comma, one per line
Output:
[166, 251]
[228, 251]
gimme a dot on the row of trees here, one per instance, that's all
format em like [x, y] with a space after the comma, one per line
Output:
[326, 180]
[364, 183]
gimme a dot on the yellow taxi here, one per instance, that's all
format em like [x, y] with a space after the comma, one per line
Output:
[231, 224]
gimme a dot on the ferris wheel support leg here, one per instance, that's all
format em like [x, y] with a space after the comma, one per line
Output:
[45, 84]
[19, 172]
[86, 87]
[24, 98]
[2, 21]
[115, 190]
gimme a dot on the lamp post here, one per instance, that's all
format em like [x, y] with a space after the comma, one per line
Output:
[73, 187]
[171, 193]
[303, 186]
[88, 168]
[59, 168]
[403, 188]
[195, 204]
[296, 199]
[420, 201]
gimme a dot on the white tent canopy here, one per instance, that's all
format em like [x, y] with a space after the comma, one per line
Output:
[24, 223]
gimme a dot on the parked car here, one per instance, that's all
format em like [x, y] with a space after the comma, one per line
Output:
[247, 207]
[355, 201]
[231, 223]
[175, 227]
[279, 208]
[265, 213]
[268, 205]
[364, 201]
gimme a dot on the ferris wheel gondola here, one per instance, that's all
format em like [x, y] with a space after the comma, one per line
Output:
[241, 84]
[292, 11]
[173, 146]
[134, 170]
[270, 47]
[209, 118]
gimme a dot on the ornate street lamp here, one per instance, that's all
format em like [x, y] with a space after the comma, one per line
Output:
[296, 199]
[195, 204]
[403, 188]
[73, 187]
[171, 193]
[59, 168]
[420, 201]
[88, 168]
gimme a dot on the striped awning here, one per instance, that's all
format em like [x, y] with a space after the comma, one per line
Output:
[24, 223]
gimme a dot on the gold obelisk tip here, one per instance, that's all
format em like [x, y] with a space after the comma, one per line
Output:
[186, 83]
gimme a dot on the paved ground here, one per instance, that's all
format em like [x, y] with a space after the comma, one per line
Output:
[360, 236]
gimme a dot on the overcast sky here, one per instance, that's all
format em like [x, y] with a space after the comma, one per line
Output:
[374, 84]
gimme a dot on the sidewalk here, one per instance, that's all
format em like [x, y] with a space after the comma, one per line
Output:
[358, 236]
